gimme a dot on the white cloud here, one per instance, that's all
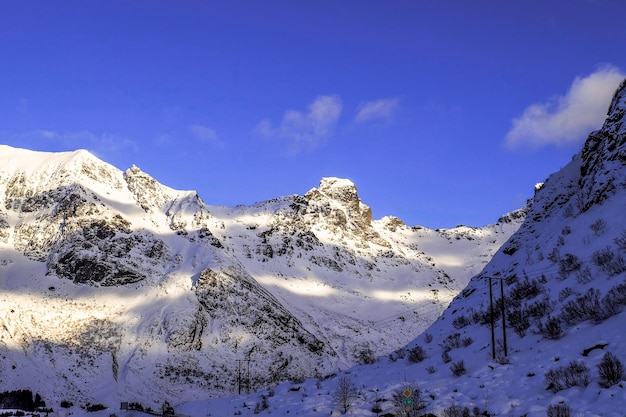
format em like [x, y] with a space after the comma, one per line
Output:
[377, 109]
[568, 118]
[305, 130]
[206, 134]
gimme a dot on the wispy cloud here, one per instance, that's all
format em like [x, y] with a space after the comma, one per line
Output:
[305, 130]
[98, 144]
[376, 109]
[568, 118]
[207, 135]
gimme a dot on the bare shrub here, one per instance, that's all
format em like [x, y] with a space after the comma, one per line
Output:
[576, 373]
[566, 293]
[456, 411]
[554, 256]
[585, 307]
[460, 322]
[551, 329]
[614, 300]
[621, 241]
[583, 275]
[467, 341]
[525, 289]
[609, 261]
[452, 341]
[541, 307]
[397, 354]
[568, 264]
[519, 320]
[458, 368]
[445, 356]
[431, 369]
[559, 410]
[417, 354]
[428, 337]
[367, 356]
[598, 227]
[611, 370]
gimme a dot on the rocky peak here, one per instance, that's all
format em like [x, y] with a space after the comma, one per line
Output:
[604, 154]
[148, 192]
[343, 192]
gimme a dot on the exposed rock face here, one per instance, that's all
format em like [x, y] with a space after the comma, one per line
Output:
[603, 155]
[147, 191]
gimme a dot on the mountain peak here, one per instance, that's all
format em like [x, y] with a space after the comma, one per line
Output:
[344, 192]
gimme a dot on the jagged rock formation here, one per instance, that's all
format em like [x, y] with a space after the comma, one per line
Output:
[116, 287]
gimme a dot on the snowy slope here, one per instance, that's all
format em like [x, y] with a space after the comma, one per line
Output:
[115, 287]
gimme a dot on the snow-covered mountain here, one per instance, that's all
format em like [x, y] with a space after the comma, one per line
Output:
[560, 349]
[114, 287]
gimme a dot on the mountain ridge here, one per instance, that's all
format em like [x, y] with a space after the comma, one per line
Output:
[132, 290]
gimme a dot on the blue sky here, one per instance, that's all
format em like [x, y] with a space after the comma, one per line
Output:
[441, 112]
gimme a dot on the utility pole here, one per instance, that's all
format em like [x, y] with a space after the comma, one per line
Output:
[503, 313]
[493, 334]
[506, 352]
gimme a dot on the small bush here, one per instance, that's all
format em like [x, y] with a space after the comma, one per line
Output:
[566, 293]
[585, 307]
[460, 322]
[431, 369]
[445, 356]
[453, 341]
[551, 329]
[458, 368]
[417, 354]
[584, 276]
[540, 308]
[598, 227]
[614, 300]
[397, 354]
[456, 411]
[559, 410]
[94, 407]
[428, 337]
[525, 289]
[568, 264]
[609, 261]
[554, 256]
[467, 341]
[574, 374]
[621, 241]
[519, 320]
[611, 370]
[367, 357]
[66, 404]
